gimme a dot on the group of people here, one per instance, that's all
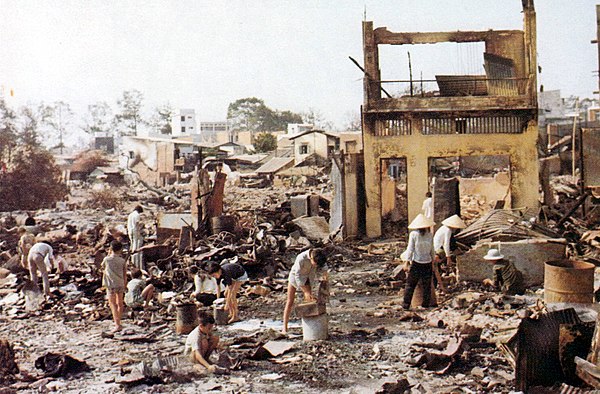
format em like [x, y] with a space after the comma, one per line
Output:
[427, 250]
[424, 253]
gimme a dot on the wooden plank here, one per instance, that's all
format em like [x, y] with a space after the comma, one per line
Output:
[384, 36]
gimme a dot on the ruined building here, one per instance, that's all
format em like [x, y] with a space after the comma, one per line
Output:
[467, 115]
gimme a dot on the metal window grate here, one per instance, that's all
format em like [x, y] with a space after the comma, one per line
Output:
[392, 127]
[477, 125]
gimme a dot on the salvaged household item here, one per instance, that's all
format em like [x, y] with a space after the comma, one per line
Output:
[187, 318]
[315, 322]
[223, 223]
[315, 328]
[569, 281]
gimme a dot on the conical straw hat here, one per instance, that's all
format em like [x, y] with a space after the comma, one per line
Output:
[454, 221]
[421, 222]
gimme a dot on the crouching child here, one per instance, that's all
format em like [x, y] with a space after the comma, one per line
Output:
[201, 343]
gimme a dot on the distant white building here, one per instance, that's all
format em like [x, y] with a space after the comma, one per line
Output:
[215, 132]
[298, 128]
[184, 123]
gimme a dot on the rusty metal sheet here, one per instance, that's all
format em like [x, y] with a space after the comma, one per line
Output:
[591, 165]
[535, 348]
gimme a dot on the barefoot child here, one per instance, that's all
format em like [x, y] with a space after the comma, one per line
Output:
[232, 275]
[201, 342]
[303, 277]
[115, 281]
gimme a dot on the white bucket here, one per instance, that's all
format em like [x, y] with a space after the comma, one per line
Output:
[315, 328]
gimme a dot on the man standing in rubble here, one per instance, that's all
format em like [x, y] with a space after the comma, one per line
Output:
[420, 254]
[134, 230]
[26, 241]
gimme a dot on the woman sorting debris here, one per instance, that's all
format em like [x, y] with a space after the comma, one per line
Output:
[303, 276]
[419, 253]
[232, 275]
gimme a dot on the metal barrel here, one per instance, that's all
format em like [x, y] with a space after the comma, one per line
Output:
[187, 318]
[223, 223]
[569, 281]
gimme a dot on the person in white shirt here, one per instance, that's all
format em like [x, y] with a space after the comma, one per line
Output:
[201, 343]
[206, 287]
[136, 240]
[303, 277]
[443, 236]
[420, 253]
[427, 208]
[36, 257]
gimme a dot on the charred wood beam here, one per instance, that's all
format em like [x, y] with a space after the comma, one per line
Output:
[384, 36]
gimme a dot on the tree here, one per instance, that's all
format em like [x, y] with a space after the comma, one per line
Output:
[253, 115]
[58, 116]
[353, 121]
[265, 142]
[161, 119]
[98, 119]
[130, 116]
[33, 180]
[32, 118]
[8, 131]
[315, 117]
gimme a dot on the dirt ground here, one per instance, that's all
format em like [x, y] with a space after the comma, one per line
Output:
[369, 344]
[372, 340]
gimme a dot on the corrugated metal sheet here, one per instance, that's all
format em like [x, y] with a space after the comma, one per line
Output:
[535, 346]
[275, 164]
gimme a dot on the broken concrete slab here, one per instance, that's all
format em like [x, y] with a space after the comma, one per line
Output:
[528, 256]
[314, 228]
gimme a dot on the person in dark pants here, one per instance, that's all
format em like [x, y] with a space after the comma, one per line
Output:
[232, 275]
[419, 253]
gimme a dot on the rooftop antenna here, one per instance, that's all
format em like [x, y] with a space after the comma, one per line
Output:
[365, 14]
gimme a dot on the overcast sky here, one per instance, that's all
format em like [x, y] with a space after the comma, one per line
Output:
[292, 54]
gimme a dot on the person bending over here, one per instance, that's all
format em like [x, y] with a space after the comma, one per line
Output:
[201, 342]
[232, 275]
[303, 277]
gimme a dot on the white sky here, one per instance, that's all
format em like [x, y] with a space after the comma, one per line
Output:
[292, 54]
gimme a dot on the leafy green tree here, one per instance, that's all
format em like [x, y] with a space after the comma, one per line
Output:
[130, 116]
[8, 131]
[98, 119]
[32, 180]
[265, 142]
[252, 114]
[161, 119]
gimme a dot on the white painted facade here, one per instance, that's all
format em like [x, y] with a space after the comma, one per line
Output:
[184, 123]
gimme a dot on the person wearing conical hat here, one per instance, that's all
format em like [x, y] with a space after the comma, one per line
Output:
[507, 278]
[419, 253]
[443, 236]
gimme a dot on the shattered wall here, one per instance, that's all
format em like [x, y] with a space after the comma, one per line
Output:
[528, 256]
[153, 160]
[503, 122]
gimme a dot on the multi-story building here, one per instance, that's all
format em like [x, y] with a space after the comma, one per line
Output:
[184, 123]
[467, 115]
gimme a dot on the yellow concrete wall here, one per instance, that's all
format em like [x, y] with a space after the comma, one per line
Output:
[418, 148]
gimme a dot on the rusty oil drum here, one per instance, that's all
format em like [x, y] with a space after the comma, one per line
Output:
[569, 281]
[223, 223]
[187, 318]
